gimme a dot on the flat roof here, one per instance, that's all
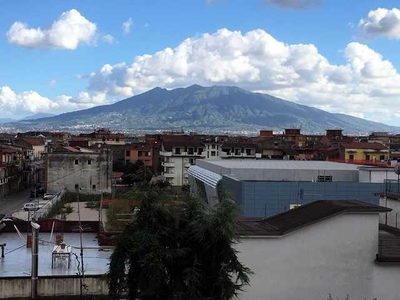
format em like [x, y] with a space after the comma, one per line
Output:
[280, 164]
[18, 262]
[304, 215]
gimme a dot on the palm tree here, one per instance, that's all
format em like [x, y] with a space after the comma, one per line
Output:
[178, 250]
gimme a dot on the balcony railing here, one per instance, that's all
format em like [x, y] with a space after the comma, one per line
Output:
[168, 164]
[168, 175]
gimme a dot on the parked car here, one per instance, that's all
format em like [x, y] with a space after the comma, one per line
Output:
[48, 196]
[11, 219]
[31, 206]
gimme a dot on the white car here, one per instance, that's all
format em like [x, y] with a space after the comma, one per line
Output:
[31, 206]
[48, 196]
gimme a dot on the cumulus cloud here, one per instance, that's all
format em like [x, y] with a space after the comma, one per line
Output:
[258, 62]
[67, 32]
[109, 39]
[381, 22]
[126, 26]
[293, 4]
[14, 104]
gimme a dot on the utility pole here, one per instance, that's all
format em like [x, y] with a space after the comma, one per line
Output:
[35, 258]
[80, 234]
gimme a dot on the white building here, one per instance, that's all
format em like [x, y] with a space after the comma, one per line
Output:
[320, 249]
[177, 157]
[179, 154]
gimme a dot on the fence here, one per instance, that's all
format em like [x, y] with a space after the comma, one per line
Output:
[44, 210]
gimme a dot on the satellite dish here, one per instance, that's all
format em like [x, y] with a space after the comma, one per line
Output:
[397, 169]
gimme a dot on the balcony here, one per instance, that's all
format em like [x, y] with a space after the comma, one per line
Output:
[165, 153]
[168, 175]
[168, 164]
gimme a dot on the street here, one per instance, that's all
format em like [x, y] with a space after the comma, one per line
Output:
[14, 202]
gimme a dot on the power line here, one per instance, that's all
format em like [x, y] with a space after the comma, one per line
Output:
[24, 245]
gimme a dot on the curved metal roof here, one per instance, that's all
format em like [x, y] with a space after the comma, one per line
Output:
[206, 176]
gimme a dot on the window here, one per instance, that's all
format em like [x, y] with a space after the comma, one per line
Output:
[212, 153]
[213, 146]
[89, 162]
[190, 151]
[140, 153]
[127, 153]
[192, 161]
[248, 151]
[76, 161]
[367, 157]
[382, 157]
[237, 151]
[76, 186]
[351, 157]
[93, 187]
[324, 179]
[200, 151]
[177, 150]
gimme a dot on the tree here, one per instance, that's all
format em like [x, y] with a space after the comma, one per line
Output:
[136, 172]
[178, 250]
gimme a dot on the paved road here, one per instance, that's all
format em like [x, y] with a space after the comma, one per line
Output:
[14, 202]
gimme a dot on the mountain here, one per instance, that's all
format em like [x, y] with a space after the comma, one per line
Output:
[38, 116]
[205, 109]
[6, 120]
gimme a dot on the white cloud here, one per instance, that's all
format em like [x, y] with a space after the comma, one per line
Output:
[293, 4]
[109, 39]
[381, 23]
[67, 32]
[258, 62]
[126, 26]
[27, 103]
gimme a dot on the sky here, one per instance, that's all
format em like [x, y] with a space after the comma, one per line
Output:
[337, 55]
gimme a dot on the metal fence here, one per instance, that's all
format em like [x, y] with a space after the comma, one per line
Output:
[44, 210]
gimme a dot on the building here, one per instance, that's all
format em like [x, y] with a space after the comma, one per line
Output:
[179, 152]
[322, 250]
[11, 169]
[71, 168]
[363, 152]
[177, 156]
[104, 136]
[267, 187]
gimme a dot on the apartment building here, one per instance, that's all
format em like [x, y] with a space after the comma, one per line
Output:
[11, 166]
[177, 157]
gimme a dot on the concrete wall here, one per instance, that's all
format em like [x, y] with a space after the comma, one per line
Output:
[20, 287]
[62, 172]
[333, 256]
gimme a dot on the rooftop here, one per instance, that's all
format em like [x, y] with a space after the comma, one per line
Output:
[17, 260]
[282, 164]
[304, 215]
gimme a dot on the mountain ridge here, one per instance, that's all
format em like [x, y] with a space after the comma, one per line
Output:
[224, 108]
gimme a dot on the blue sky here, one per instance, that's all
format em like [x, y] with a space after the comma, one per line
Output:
[318, 54]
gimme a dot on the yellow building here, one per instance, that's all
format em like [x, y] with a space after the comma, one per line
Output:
[369, 152]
